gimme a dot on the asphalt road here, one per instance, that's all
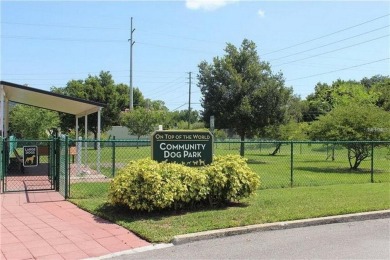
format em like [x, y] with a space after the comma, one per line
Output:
[369, 239]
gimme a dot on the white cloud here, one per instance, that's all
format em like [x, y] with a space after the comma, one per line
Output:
[207, 5]
[261, 13]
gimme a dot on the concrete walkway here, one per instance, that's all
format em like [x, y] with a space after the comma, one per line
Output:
[42, 225]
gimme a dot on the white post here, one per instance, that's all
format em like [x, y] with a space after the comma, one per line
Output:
[77, 128]
[79, 152]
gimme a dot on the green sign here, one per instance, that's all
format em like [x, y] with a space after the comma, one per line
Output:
[191, 148]
[30, 156]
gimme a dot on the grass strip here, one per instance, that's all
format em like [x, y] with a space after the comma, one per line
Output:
[266, 206]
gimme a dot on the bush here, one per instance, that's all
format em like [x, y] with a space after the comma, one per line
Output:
[141, 186]
[230, 179]
[190, 184]
[146, 185]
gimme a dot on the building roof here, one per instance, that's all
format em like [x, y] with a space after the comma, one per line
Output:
[49, 100]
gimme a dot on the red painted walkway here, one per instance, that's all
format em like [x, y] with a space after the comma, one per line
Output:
[42, 225]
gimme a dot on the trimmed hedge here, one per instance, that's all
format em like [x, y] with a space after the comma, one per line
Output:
[146, 185]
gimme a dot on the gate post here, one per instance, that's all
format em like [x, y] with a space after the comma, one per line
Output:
[57, 158]
[3, 164]
[66, 166]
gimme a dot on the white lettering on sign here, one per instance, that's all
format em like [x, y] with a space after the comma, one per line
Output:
[188, 154]
[169, 147]
[30, 150]
[182, 150]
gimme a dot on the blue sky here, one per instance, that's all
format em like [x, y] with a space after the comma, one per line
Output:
[46, 44]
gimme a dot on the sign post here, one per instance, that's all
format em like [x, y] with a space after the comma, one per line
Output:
[191, 148]
[30, 156]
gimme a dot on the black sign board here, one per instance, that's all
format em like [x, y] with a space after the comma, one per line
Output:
[30, 156]
[191, 148]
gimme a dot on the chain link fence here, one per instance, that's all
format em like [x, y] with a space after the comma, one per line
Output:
[93, 164]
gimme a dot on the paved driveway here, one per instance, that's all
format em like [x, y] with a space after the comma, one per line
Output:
[42, 225]
[369, 239]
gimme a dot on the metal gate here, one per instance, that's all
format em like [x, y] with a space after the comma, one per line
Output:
[29, 165]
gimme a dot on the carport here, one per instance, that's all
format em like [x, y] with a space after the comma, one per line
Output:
[35, 176]
[11, 92]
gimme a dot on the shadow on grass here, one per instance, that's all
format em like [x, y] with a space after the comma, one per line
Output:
[121, 213]
[326, 170]
[254, 161]
[267, 155]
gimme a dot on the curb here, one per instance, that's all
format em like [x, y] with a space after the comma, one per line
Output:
[131, 251]
[188, 238]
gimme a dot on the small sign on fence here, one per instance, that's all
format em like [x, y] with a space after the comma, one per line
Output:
[192, 148]
[30, 156]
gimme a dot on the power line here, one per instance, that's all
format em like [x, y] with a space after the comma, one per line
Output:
[174, 48]
[326, 35]
[330, 43]
[58, 39]
[97, 73]
[328, 72]
[353, 45]
[179, 107]
[65, 26]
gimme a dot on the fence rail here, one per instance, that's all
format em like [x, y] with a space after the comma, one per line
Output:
[279, 164]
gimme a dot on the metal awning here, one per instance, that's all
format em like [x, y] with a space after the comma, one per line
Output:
[49, 100]
[11, 92]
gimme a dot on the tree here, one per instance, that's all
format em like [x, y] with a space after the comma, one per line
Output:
[32, 122]
[123, 91]
[142, 121]
[349, 92]
[374, 90]
[182, 116]
[318, 103]
[382, 88]
[241, 91]
[94, 88]
[353, 122]
[368, 83]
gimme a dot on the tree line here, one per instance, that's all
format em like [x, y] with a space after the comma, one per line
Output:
[245, 97]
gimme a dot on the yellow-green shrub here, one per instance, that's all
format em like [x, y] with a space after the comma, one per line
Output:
[147, 185]
[141, 186]
[230, 179]
[190, 184]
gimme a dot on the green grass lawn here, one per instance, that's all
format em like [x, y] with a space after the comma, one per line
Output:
[322, 186]
[312, 163]
[266, 206]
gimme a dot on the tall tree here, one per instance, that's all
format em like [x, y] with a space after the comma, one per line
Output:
[124, 97]
[326, 97]
[382, 88]
[368, 83]
[318, 103]
[32, 122]
[94, 88]
[241, 91]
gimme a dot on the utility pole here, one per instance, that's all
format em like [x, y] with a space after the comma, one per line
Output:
[189, 100]
[131, 106]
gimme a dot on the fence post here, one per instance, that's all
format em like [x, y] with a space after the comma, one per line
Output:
[3, 163]
[372, 162]
[113, 156]
[57, 153]
[66, 170]
[292, 164]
